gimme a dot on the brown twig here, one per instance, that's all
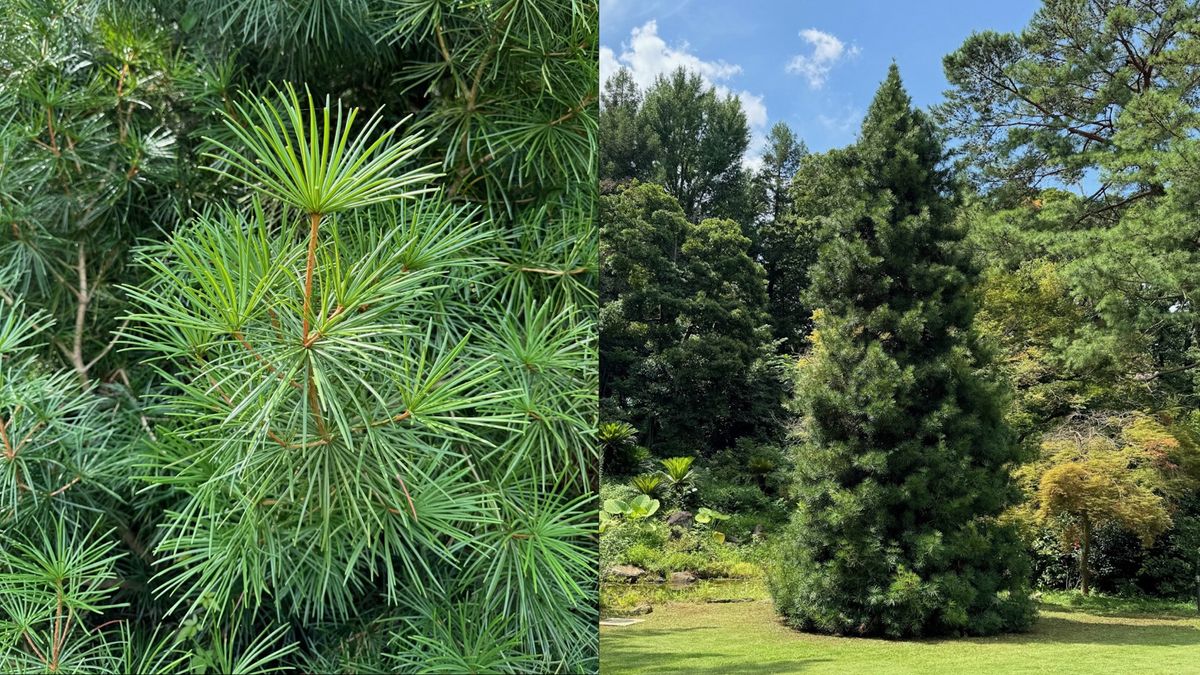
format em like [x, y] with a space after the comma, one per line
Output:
[587, 100]
[84, 298]
[9, 451]
[407, 496]
[319, 333]
[50, 128]
[63, 489]
[266, 364]
[391, 420]
[33, 647]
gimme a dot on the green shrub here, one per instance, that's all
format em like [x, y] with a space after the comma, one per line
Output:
[620, 537]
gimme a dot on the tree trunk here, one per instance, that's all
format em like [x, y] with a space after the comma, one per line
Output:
[1083, 555]
[1198, 585]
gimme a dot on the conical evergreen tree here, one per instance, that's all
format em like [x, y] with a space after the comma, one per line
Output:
[904, 469]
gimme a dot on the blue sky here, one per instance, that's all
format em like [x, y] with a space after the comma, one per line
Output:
[814, 65]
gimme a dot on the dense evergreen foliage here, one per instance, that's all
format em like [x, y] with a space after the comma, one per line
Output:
[682, 135]
[688, 358]
[297, 336]
[904, 470]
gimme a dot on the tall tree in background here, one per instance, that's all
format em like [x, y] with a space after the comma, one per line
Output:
[773, 181]
[783, 237]
[627, 146]
[905, 467]
[702, 138]
[685, 351]
[1100, 96]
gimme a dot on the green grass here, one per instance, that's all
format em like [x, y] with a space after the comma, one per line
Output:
[1073, 635]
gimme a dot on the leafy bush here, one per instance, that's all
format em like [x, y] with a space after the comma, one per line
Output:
[699, 554]
[640, 507]
[620, 536]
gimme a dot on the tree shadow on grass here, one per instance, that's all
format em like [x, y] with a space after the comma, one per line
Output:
[1120, 609]
[1135, 631]
[636, 649]
[1054, 629]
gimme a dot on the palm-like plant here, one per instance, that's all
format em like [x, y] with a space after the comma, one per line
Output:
[677, 468]
[646, 483]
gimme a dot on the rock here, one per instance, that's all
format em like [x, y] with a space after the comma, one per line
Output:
[630, 573]
[682, 519]
[641, 609]
[682, 578]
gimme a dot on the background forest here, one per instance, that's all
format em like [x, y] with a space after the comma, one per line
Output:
[297, 336]
[1071, 156]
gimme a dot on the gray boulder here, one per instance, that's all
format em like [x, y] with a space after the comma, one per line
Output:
[629, 573]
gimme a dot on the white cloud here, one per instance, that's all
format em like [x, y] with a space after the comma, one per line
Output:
[647, 56]
[753, 106]
[608, 64]
[827, 51]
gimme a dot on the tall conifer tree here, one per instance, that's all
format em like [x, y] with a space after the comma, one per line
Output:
[905, 465]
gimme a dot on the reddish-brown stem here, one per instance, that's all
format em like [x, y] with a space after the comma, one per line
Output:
[391, 420]
[407, 496]
[28, 436]
[316, 335]
[64, 488]
[56, 637]
[38, 652]
[314, 221]
[106, 624]
[50, 127]
[9, 451]
[587, 100]
[275, 323]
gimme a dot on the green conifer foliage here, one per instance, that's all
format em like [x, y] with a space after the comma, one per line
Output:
[297, 336]
[905, 466]
[351, 412]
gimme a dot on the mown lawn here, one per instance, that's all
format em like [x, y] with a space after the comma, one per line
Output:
[1092, 636]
